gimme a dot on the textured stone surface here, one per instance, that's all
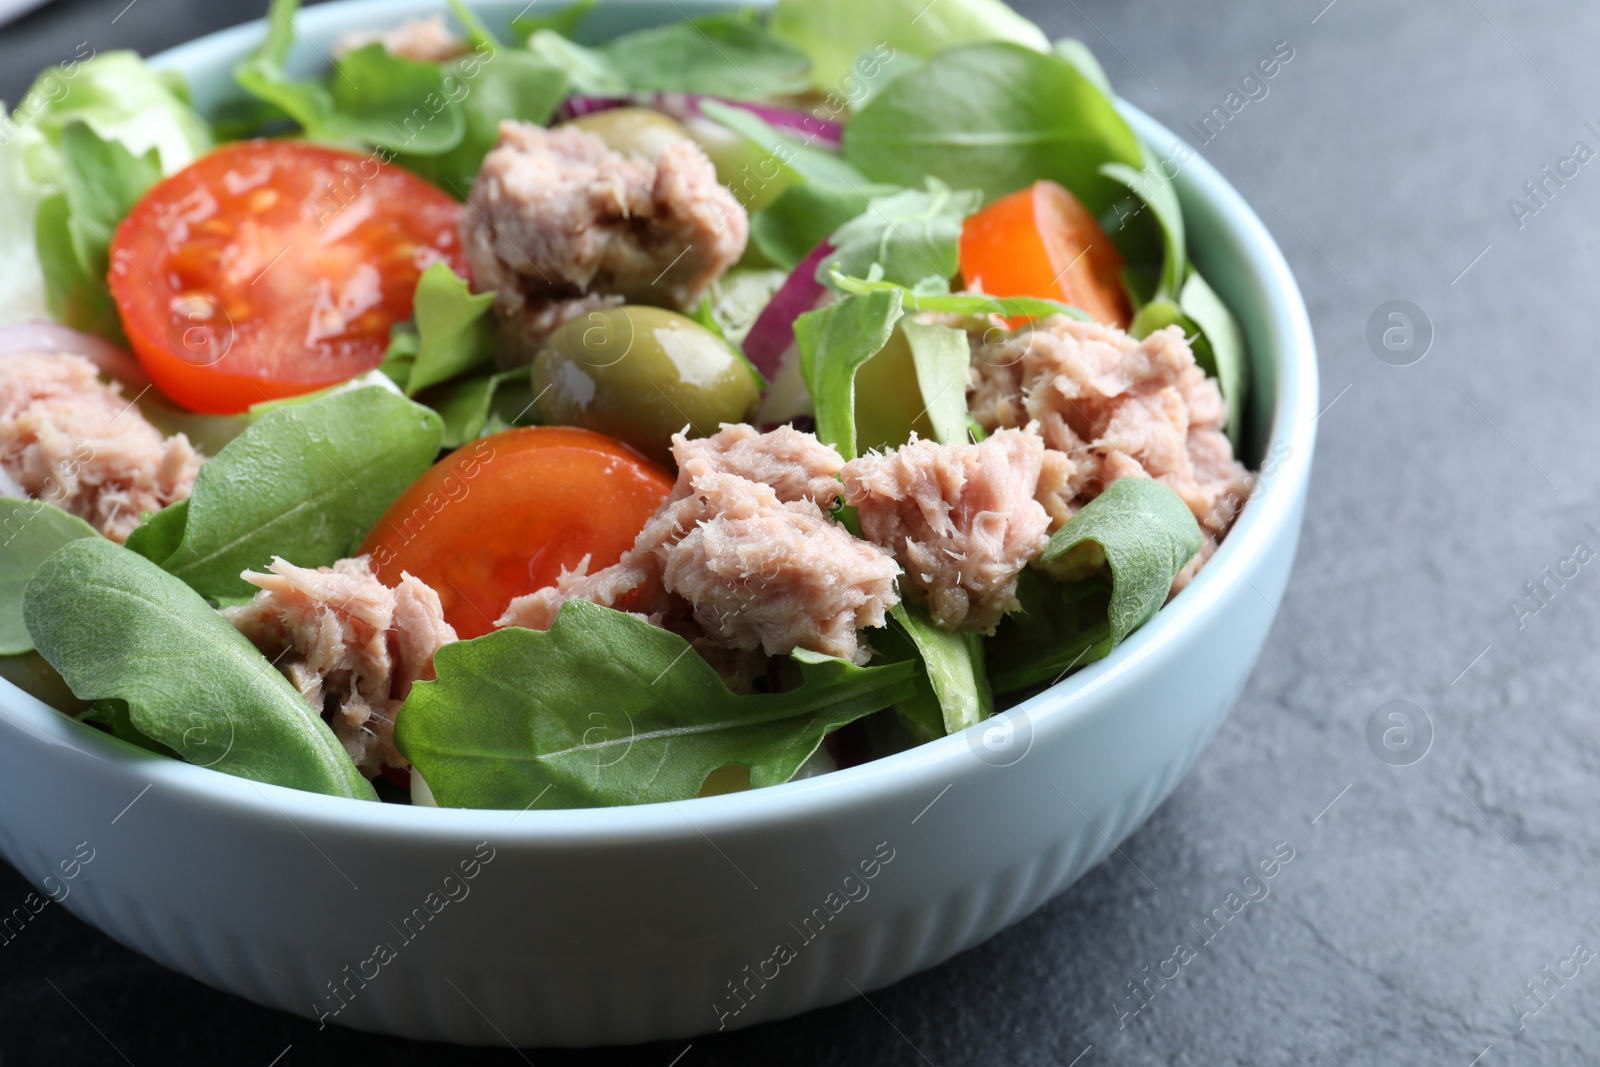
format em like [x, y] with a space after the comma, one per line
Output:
[1419, 904]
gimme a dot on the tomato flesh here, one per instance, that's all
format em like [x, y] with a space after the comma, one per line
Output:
[268, 269]
[1042, 242]
[503, 516]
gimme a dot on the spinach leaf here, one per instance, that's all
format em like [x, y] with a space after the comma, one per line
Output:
[943, 359]
[304, 482]
[952, 687]
[382, 99]
[922, 298]
[796, 159]
[1078, 54]
[833, 344]
[1155, 192]
[806, 214]
[834, 33]
[450, 332]
[995, 117]
[605, 709]
[589, 72]
[486, 90]
[30, 530]
[118, 627]
[99, 184]
[1219, 348]
[565, 22]
[726, 54]
[478, 35]
[913, 235]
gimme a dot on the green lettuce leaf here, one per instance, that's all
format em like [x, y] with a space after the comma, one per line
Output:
[605, 709]
[1137, 529]
[952, 686]
[942, 356]
[305, 482]
[482, 403]
[834, 342]
[924, 298]
[806, 214]
[727, 54]
[30, 531]
[1156, 193]
[1219, 348]
[1078, 54]
[450, 332]
[118, 627]
[589, 71]
[565, 21]
[995, 117]
[834, 33]
[913, 235]
[383, 99]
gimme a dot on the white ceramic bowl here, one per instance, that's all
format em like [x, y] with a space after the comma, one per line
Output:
[627, 924]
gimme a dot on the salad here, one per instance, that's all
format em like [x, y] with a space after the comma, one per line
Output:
[508, 419]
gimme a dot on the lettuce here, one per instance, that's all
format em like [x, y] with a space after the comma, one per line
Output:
[30, 531]
[913, 235]
[834, 32]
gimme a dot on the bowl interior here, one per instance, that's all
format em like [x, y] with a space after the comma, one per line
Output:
[1228, 242]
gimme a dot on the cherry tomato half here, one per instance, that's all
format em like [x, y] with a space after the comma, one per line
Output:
[504, 515]
[1042, 242]
[268, 269]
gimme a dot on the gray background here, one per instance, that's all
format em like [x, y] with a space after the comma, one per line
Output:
[1421, 899]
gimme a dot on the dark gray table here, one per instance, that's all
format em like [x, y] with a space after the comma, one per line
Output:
[1422, 900]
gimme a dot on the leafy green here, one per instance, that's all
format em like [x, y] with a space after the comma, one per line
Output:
[1219, 348]
[1058, 627]
[1155, 191]
[796, 159]
[604, 709]
[589, 72]
[921, 298]
[506, 85]
[470, 406]
[806, 214]
[1078, 54]
[913, 235]
[30, 530]
[727, 54]
[383, 99]
[943, 358]
[118, 627]
[995, 117]
[99, 183]
[450, 332]
[565, 22]
[834, 33]
[304, 482]
[833, 344]
[263, 73]
[478, 35]
[952, 688]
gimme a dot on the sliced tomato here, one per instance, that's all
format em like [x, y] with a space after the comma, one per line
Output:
[504, 515]
[1042, 242]
[268, 269]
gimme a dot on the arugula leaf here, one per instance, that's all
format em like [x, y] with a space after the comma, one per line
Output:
[920, 298]
[914, 234]
[509, 84]
[1058, 627]
[1078, 54]
[952, 688]
[997, 117]
[478, 35]
[305, 482]
[118, 627]
[450, 332]
[833, 343]
[1156, 192]
[605, 709]
[806, 214]
[264, 74]
[589, 72]
[834, 33]
[943, 359]
[1219, 348]
[727, 54]
[30, 530]
[565, 22]
[383, 99]
[795, 158]
[470, 406]
[99, 184]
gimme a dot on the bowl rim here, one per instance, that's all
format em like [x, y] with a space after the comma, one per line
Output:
[1271, 515]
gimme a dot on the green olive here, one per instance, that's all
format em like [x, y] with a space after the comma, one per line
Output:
[756, 176]
[641, 374]
[634, 131]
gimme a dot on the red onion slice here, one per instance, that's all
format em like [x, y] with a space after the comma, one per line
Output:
[772, 336]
